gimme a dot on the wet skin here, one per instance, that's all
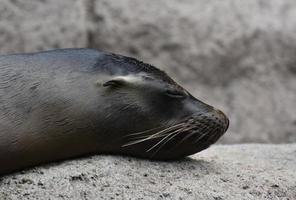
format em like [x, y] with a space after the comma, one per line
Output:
[66, 103]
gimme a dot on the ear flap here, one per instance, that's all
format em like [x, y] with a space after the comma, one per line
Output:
[116, 82]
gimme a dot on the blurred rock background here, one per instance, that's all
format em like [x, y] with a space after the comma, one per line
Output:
[239, 56]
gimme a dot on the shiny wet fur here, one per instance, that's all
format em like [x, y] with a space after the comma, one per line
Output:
[66, 103]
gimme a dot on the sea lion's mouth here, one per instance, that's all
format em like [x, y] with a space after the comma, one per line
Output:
[193, 134]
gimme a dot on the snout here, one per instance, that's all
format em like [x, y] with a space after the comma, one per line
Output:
[207, 127]
[192, 134]
[207, 115]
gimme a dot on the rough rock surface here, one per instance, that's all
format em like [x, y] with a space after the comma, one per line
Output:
[236, 55]
[36, 25]
[221, 172]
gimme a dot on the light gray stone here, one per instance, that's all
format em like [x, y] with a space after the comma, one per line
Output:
[35, 25]
[232, 172]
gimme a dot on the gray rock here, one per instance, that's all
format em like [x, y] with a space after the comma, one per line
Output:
[221, 172]
[36, 25]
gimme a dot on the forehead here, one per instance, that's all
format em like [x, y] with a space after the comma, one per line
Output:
[130, 68]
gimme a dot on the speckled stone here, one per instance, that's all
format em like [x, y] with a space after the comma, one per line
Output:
[231, 172]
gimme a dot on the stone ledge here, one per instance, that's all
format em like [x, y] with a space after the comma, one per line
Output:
[250, 171]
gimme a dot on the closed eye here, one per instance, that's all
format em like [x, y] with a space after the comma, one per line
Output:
[114, 83]
[175, 94]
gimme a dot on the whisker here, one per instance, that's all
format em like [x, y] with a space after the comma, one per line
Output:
[162, 145]
[141, 132]
[176, 131]
[138, 133]
[203, 135]
[172, 127]
[204, 128]
[202, 125]
[214, 135]
[156, 135]
[185, 138]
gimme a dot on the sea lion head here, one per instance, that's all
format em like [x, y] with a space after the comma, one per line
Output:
[149, 115]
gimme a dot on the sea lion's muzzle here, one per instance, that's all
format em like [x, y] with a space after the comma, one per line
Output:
[204, 124]
[205, 128]
[188, 136]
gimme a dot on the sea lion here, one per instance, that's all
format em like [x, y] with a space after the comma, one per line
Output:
[66, 103]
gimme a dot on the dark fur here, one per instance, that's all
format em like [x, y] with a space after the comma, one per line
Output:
[51, 109]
